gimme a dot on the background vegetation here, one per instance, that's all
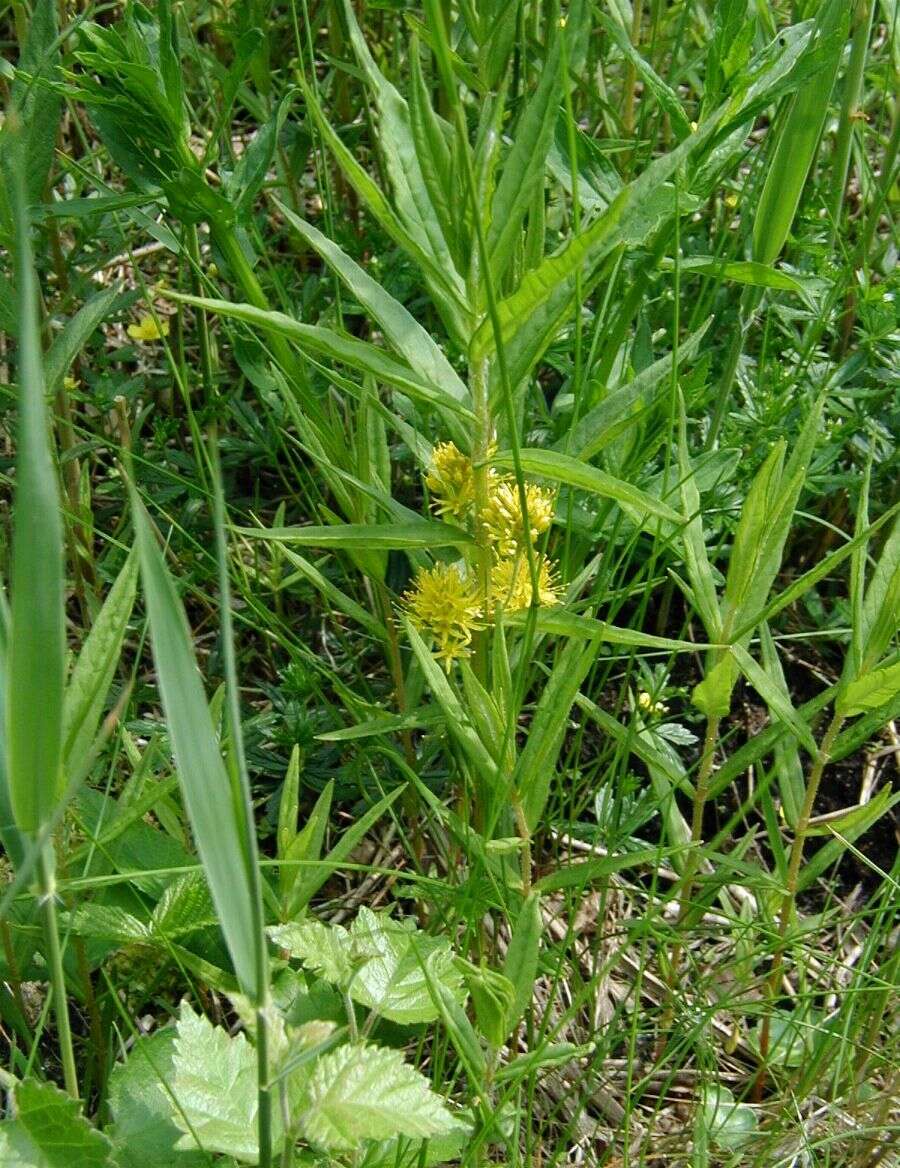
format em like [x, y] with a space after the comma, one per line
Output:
[450, 668]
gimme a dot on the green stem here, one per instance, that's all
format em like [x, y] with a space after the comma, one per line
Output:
[206, 368]
[701, 796]
[853, 84]
[47, 884]
[264, 1091]
[823, 757]
[479, 379]
[525, 836]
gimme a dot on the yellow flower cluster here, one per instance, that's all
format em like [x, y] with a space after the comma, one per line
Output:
[503, 518]
[446, 602]
[511, 583]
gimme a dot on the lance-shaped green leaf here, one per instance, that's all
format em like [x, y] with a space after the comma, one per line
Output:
[537, 763]
[448, 298]
[620, 409]
[37, 100]
[36, 650]
[569, 624]
[530, 316]
[458, 722]
[525, 164]
[522, 956]
[798, 138]
[315, 875]
[870, 691]
[562, 468]
[311, 338]
[699, 570]
[664, 94]
[401, 159]
[225, 840]
[788, 767]
[775, 698]
[93, 671]
[415, 534]
[69, 342]
[880, 617]
[403, 331]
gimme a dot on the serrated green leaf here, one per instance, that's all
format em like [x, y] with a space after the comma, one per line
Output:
[378, 961]
[216, 1088]
[325, 949]
[108, 922]
[50, 1132]
[391, 980]
[362, 1093]
[142, 1129]
[184, 906]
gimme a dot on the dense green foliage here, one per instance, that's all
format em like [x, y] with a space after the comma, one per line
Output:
[451, 667]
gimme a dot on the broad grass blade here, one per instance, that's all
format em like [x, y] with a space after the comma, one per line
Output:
[36, 660]
[214, 804]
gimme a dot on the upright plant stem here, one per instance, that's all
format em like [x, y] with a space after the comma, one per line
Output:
[853, 84]
[479, 381]
[701, 796]
[47, 885]
[264, 1093]
[823, 757]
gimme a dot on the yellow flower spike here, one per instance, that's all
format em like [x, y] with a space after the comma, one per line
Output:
[451, 481]
[147, 329]
[445, 605]
[503, 518]
[511, 583]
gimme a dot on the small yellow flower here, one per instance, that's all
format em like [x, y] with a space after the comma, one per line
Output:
[511, 583]
[451, 481]
[147, 329]
[649, 706]
[70, 384]
[503, 518]
[446, 606]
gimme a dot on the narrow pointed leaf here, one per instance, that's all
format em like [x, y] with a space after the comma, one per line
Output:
[214, 808]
